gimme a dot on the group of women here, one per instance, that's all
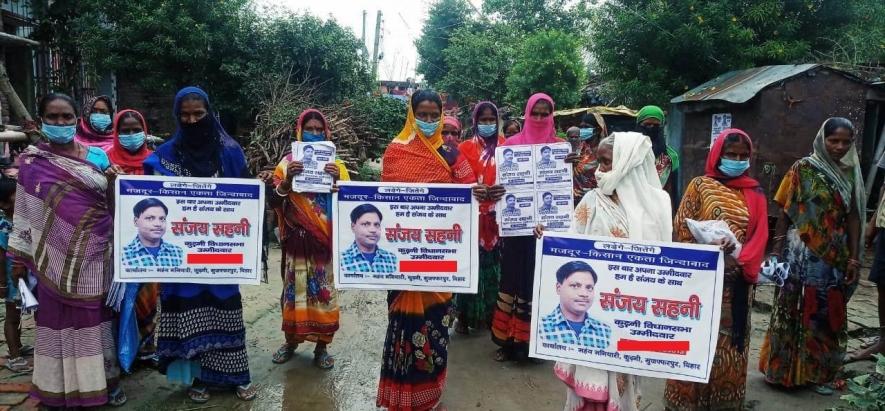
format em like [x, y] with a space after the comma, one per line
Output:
[62, 230]
[624, 187]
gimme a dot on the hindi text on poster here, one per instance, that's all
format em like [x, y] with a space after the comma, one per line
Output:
[188, 230]
[397, 236]
[643, 308]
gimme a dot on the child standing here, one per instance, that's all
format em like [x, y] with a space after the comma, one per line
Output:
[8, 285]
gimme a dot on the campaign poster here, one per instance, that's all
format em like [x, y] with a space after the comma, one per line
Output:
[551, 170]
[636, 307]
[188, 230]
[515, 166]
[554, 209]
[516, 213]
[400, 236]
[719, 122]
[314, 156]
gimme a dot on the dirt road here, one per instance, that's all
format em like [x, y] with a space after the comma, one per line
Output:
[475, 381]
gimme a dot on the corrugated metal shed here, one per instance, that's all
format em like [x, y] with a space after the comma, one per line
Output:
[739, 86]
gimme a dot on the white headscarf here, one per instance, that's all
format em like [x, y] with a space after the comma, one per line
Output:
[634, 177]
[844, 173]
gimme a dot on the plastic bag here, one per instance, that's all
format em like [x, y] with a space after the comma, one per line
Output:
[711, 232]
[128, 340]
[29, 303]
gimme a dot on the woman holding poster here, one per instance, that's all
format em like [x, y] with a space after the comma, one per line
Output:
[61, 211]
[726, 192]
[512, 318]
[475, 310]
[628, 203]
[129, 152]
[201, 335]
[413, 366]
[309, 300]
[818, 234]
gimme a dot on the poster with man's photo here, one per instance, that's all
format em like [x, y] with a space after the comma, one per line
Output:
[554, 209]
[551, 170]
[516, 213]
[636, 307]
[399, 236]
[188, 230]
[538, 184]
[314, 156]
[515, 166]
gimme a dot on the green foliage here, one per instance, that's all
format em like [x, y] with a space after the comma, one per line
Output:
[221, 45]
[648, 51]
[444, 18]
[538, 15]
[868, 390]
[549, 62]
[369, 172]
[384, 118]
[321, 51]
[479, 61]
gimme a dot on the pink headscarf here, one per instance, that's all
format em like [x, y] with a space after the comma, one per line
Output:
[535, 131]
[452, 121]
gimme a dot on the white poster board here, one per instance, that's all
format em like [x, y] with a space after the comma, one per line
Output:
[188, 230]
[399, 236]
[647, 308]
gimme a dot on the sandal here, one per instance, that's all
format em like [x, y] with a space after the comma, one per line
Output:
[19, 364]
[284, 353]
[323, 360]
[117, 397]
[824, 389]
[198, 395]
[503, 355]
[26, 350]
[247, 392]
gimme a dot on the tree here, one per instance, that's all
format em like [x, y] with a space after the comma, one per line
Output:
[648, 51]
[444, 18]
[550, 62]
[321, 51]
[221, 45]
[530, 16]
[479, 61]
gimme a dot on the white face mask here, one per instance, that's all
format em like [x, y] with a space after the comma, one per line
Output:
[603, 182]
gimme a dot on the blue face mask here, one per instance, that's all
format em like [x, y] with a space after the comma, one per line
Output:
[100, 122]
[309, 137]
[733, 168]
[59, 134]
[427, 128]
[586, 133]
[132, 142]
[486, 130]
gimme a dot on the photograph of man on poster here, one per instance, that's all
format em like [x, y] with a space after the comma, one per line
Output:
[508, 165]
[307, 159]
[570, 323]
[546, 161]
[364, 255]
[547, 206]
[510, 210]
[148, 249]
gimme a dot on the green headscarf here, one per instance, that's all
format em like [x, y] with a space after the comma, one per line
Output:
[650, 112]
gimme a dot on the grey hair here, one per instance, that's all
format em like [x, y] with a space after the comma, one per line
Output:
[608, 142]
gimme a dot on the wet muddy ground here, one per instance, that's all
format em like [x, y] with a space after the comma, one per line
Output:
[475, 381]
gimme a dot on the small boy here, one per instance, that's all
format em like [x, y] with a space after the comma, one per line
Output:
[8, 285]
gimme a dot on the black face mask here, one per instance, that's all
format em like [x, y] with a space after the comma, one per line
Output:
[198, 134]
[654, 134]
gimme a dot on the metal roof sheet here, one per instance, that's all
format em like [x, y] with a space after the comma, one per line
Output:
[741, 85]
